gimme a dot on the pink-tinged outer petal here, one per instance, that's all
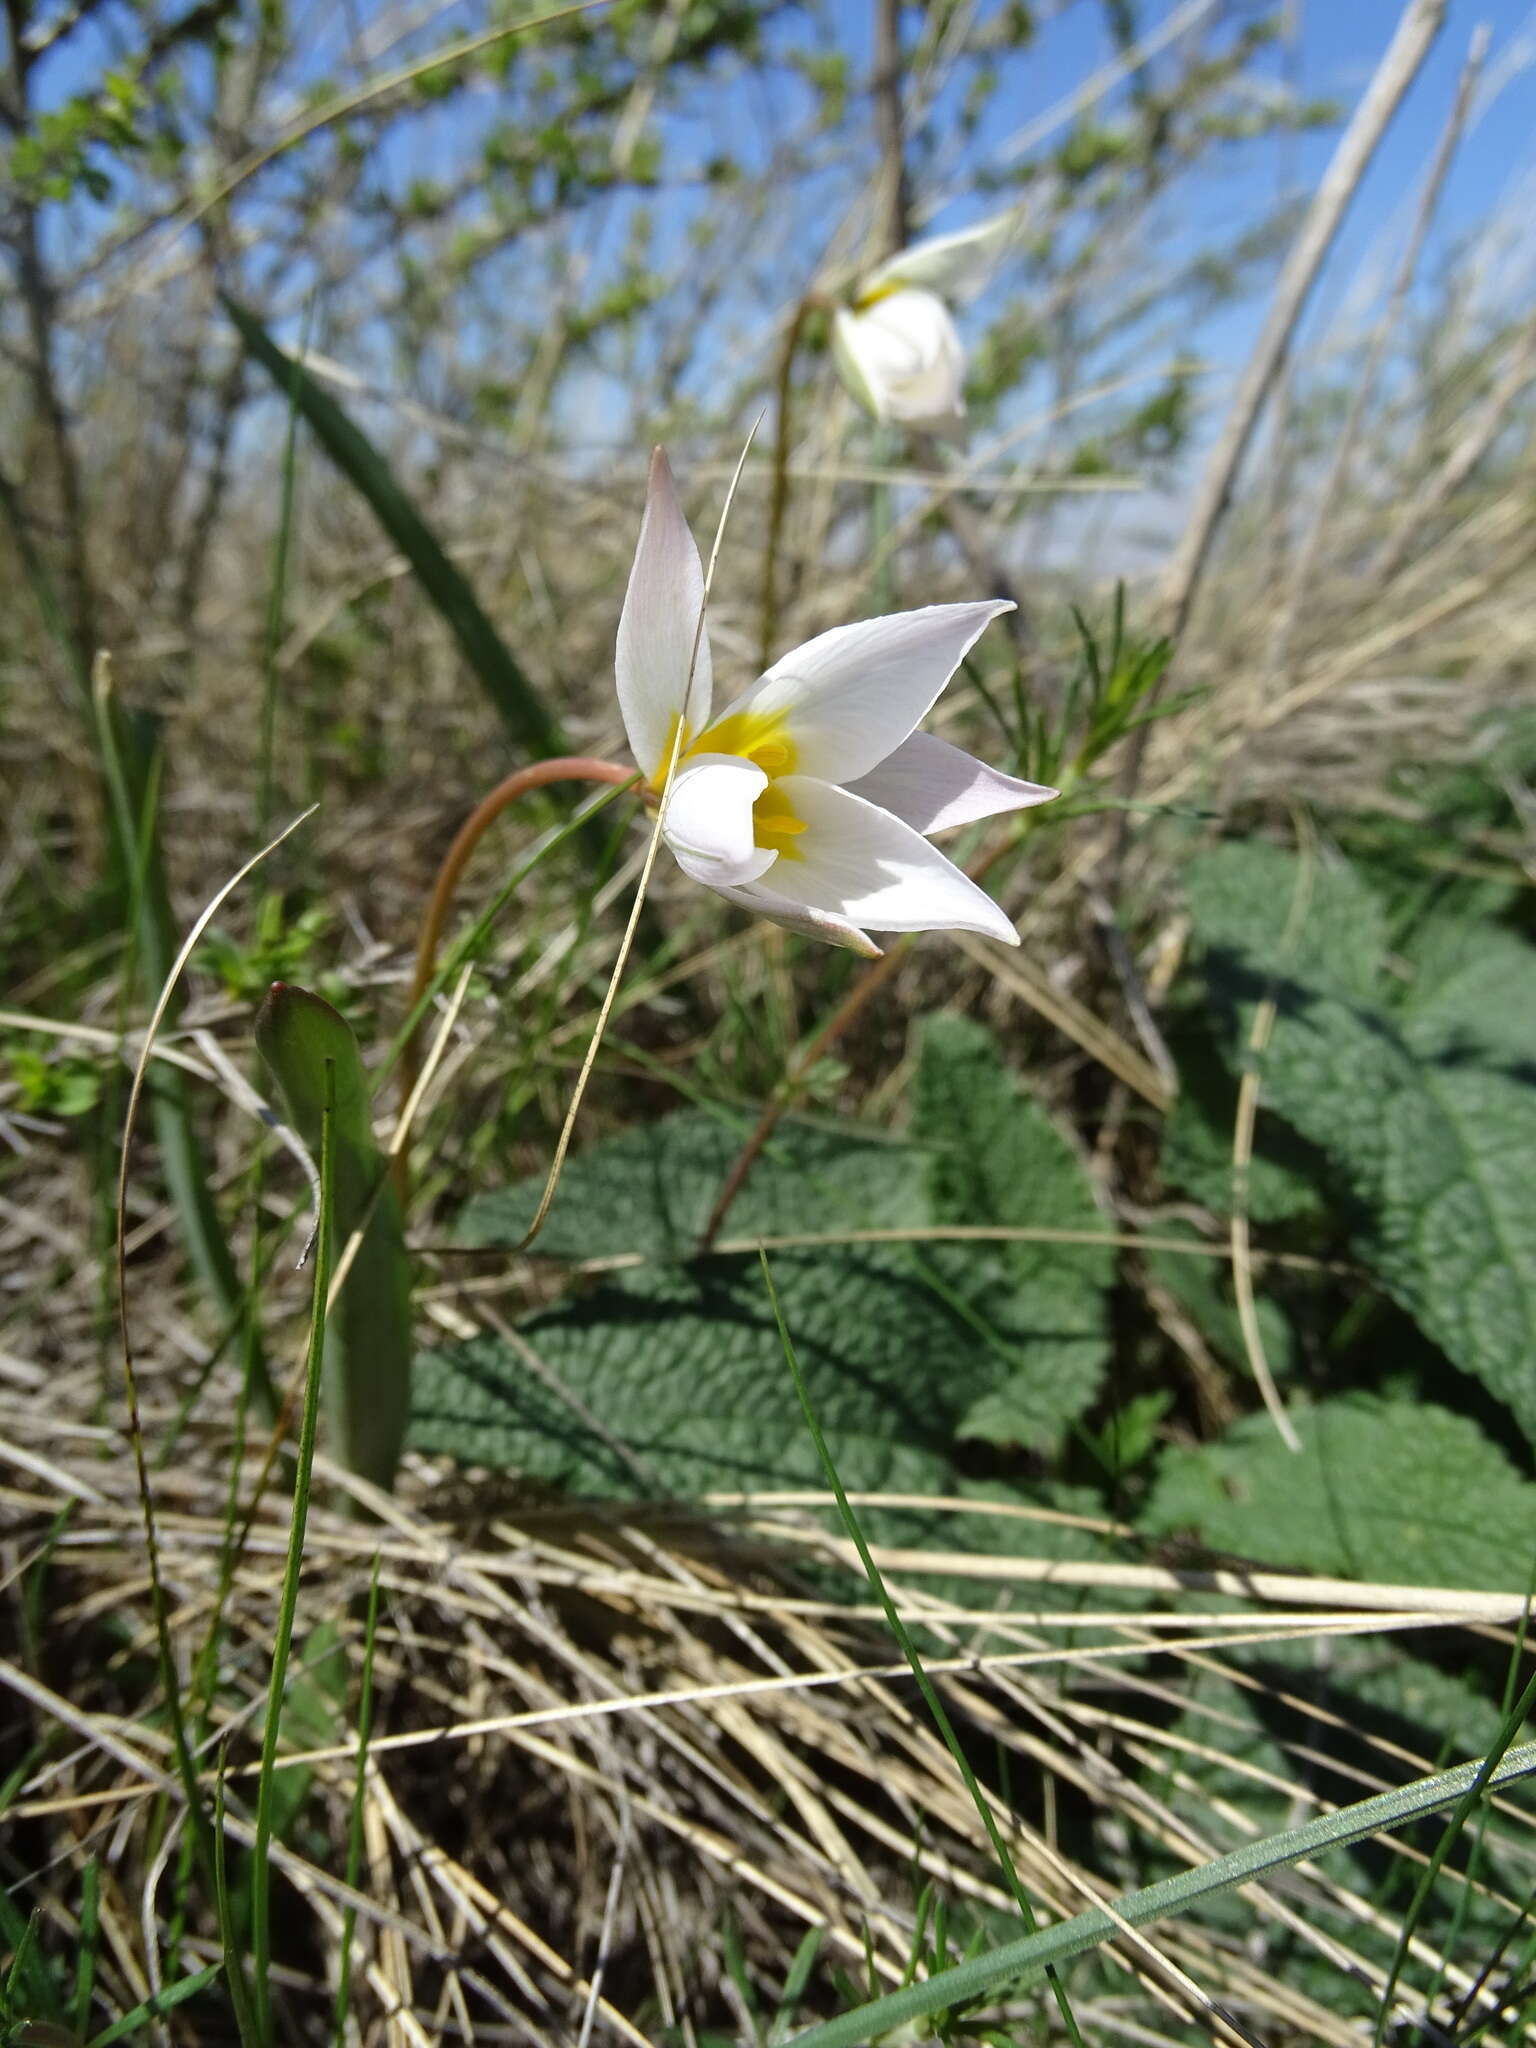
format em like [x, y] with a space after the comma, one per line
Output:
[708, 820]
[657, 627]
[851, 696]
[811, 924]
[933, 787]
[857, 863]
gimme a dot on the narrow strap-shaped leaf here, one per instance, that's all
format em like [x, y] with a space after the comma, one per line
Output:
[314, 1057]
[517, 702]
[1028, 1957]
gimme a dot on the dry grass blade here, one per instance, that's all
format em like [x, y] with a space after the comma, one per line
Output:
[169, 1676]
[1242, 1156]
[1417, 28]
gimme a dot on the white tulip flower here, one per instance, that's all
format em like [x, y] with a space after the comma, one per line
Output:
[899, 353]
[810, 800]
[896, 346]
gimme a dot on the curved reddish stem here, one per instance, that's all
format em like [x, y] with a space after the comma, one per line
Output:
[538, 775]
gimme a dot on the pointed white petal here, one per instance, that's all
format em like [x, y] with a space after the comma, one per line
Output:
[851, 696]
[858, 863]
[708, 820]
[952, 264]
[910, 355]
[865, 383]
[657, 627]
[933, 787]
[811, 924]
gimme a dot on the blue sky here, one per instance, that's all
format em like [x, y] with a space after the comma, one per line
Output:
[1337, 45]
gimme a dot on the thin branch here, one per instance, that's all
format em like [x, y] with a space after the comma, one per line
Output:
[1417, 28]
[1416, 31]
[1331, 492]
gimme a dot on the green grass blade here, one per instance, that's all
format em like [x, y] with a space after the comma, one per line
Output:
[516, 700]
[310, 1050]
[131, 771]
[28, 1980]
[1514, 1719]
[162, 2002]
[261, 1874]
[1016, 1960]
[90, 1934]
[926, 1686]
[355, 1820]
[227, 1912]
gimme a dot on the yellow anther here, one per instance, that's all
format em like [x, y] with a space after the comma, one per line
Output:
[774, 824]
[756, 736]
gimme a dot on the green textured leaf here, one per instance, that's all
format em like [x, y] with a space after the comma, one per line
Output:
[1399, 1492]
[1288, 1179]
[651, 1189]
[1240, 900]
[672, 1378]
[1472, 998]
[518, 704]
[1426, 1114]
[1437, 861]
[996, 1158]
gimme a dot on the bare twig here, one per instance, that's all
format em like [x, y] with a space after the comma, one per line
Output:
[1416, 32]
[885, 88]
[1330, 491]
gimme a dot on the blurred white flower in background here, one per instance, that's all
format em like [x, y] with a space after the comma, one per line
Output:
[896, 345]
[810, 800]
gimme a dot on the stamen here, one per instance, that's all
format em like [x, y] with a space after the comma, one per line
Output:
[774, 824]
[755, 736]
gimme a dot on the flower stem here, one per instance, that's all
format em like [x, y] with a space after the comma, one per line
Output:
[778, 502]
[564, 768]
[874, 977]
[868, 984]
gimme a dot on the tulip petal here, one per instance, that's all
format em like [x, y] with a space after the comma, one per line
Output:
[862, 374]
[933, 787]
[909, 355]
[708, 820]
[952, 264]
[657, 626]
[795, 917]
[850, 697]
[857, 863]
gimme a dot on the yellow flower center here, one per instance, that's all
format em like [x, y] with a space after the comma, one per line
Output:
[774, 825]
[762, 738]
[758, 736]
[873, 294]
